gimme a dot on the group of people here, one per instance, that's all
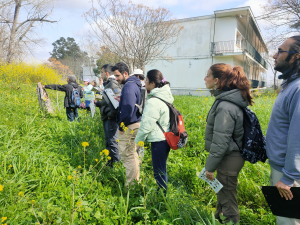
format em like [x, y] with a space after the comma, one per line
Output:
[224, 130]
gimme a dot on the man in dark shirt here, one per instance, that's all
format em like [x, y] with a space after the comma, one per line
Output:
[72, 112]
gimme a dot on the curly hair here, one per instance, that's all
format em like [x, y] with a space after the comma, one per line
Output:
[233, 78]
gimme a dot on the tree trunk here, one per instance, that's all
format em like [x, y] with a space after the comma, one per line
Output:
[44, 100]
[275, 80]
[12, 38]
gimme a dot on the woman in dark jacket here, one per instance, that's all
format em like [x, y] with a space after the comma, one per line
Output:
[224, 133]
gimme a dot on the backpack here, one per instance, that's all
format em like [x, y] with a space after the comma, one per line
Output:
[75, 98]
[253, 148]
[177, 137]
[143, 100]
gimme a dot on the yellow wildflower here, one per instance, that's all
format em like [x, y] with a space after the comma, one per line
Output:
[84, 144]
[33, 201]
[108, 157]
[141, 144]
[200, 117]
[122, 125]
[125, 129]
[96, 160]
[79, 167]
[70, 177]
[78, 203]
[21, 193]
[206, 99]
[132, 131]
[3, 219]
[117, 140]
[74, 171]
[105, 152]
[10, 166]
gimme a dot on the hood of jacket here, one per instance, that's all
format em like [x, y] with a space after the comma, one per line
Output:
[75, 85]
[233, 96]
[134, 79]
[163, 93]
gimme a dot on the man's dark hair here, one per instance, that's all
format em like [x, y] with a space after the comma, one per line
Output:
[107, 68]
[140, 76]
[295, 47]
[121, 67]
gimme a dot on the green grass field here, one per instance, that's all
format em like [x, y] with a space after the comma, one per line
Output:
[43, 179]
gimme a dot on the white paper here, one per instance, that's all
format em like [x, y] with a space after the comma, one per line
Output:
[214, 184]
[111, 95]
[93, 108]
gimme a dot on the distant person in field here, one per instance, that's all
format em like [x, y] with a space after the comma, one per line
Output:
[139, 74]
[87, 91]
[128, 116]
[283, 134]
[109, 115]
[224, 134]
[72, 112]
[156, 110]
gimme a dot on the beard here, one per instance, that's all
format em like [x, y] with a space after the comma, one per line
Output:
[283, 66]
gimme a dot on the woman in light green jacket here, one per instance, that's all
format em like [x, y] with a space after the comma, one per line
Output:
[156, 110]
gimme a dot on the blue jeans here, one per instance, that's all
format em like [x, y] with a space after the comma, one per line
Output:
[111, 135]
[72, 113]
[160, 152]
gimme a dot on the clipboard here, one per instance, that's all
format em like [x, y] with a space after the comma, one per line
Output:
[281, 207]
[104, 95]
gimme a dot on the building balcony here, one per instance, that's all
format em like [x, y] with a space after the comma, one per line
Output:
[226, 47]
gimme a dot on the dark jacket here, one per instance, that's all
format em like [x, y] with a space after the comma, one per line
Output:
[224, 122]
[68, 89]
[128, 113]
[105, 110]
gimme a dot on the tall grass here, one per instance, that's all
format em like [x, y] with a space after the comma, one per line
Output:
[40, 152]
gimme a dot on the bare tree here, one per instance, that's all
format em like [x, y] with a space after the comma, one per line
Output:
[18, 37]
[137, 34]
[283, 19]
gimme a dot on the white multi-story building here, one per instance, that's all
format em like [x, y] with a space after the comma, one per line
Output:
[228, 36]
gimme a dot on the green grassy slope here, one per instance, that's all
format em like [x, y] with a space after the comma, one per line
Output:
[40, 155]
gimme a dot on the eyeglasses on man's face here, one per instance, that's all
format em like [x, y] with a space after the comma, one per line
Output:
[280, 51]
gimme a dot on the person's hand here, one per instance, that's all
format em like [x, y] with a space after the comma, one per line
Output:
[95, 101]
[284, 190]
[121, 132]
[210, 175]
[117, 98]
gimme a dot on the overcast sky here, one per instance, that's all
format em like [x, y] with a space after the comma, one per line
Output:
[72, 23]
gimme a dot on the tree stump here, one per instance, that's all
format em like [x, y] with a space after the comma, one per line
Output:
[44, 100]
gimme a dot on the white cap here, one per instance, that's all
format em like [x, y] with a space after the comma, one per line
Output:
[137, 71]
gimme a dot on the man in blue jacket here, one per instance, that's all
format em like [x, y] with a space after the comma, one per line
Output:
[128, 120]
[283, 142]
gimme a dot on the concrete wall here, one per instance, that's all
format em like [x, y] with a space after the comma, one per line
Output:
[192, 54]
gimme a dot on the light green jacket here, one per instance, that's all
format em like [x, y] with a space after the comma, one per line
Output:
[155, 110]
[88, 93]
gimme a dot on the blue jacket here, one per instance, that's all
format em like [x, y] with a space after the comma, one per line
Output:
[128, 113]
[283, 142]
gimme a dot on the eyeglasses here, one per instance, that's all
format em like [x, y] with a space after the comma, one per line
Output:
[280, 51]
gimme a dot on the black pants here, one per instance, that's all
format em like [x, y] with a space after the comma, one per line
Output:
[72, 113]
[111, 136]
[160, 152]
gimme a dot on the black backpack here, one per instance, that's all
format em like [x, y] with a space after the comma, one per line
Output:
[254, 142]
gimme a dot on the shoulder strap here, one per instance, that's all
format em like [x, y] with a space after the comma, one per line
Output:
[160, 127]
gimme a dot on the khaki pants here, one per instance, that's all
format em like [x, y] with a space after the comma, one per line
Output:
[128, 153]
[227, 173]
[274, 178]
